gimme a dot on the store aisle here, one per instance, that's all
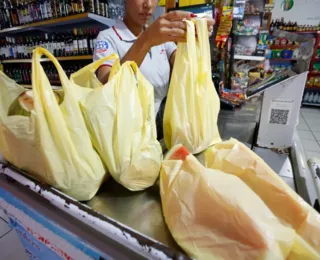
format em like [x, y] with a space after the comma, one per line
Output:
[309, 131]
[10, 245]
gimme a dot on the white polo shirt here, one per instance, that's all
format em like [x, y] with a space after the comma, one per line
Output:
[155, 66]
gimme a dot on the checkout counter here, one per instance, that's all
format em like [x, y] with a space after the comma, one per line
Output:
[118, 223]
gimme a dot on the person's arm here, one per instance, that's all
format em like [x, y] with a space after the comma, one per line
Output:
[136, 53]
[168, 27]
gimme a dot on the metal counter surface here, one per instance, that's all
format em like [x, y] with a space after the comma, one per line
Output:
[142, 210]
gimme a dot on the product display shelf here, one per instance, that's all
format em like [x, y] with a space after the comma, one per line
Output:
[313, 77]
[64, 58]
[282, 59]
[314, 73]
[67, 20]
[311, 104]
[246, 37]
[313, 88]
[249, 57]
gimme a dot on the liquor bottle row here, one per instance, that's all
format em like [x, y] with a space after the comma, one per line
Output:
[29, 11]
[78, 42]
[292, 26]
[22, 74]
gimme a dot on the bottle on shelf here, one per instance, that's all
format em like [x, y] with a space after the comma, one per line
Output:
[75, 42]
[271, 27]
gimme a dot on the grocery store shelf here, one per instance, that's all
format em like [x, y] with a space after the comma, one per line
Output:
[307, 32]
[82, 57]
[248, 57]
[284, 47]
[281, 59]
[245, 34]
[314, 74]
[310, 104]
[84, 17]
[312, 88]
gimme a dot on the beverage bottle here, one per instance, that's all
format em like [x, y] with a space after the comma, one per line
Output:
[19, 48]
[91, 6]
[106, 8]
[13, 14]
[30, 47]
[49, 9]
[97, 7]
[85, 42]
[75, 42]
[81, 6]
[310, 99]
[23, 47]
[62, 8]
[315, 98]
[80, 43]
[68, 7]
[19, 12]
[58, 46]
[95, 34]
[90, 37]
[7, 14]
[271, 27]
[63, 46]
[54, 8]
[281, 24]
[102, 8]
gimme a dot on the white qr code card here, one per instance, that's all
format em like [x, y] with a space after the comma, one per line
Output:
[280, 111]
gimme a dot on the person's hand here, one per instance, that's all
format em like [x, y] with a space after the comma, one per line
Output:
[168, 27]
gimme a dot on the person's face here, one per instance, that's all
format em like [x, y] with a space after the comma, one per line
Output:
[140, 11]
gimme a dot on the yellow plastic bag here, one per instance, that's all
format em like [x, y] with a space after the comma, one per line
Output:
[52, 144]
[192, 107]
[237, 159]
[86, 76]
[214, 215]
[120, 118]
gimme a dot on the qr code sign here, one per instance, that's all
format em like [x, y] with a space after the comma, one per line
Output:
[279, 116]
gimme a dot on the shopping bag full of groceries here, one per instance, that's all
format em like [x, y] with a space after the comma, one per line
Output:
[234, 206]
[120, 118]
[192, 106]
[50, 141]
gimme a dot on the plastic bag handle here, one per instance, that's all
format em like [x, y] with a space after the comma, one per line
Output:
[36, 56]
[98, 63]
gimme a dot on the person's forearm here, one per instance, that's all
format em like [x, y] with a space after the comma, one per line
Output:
[137, 52]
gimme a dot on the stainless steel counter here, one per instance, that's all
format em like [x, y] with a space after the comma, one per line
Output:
[142, 210]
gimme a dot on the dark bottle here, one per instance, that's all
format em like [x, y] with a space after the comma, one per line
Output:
[62, 8]
[62, 46]
[97, 7]
[13, 14]
[75, 42]
[271, 27]
[56, 44]
[92, 6]
[85, 42]
[102, 8]
[80, 43]
[7, 14]
[90, 41]
[81, 6]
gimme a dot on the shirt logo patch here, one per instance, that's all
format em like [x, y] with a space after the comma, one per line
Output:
[163, 51]
[101, 46]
